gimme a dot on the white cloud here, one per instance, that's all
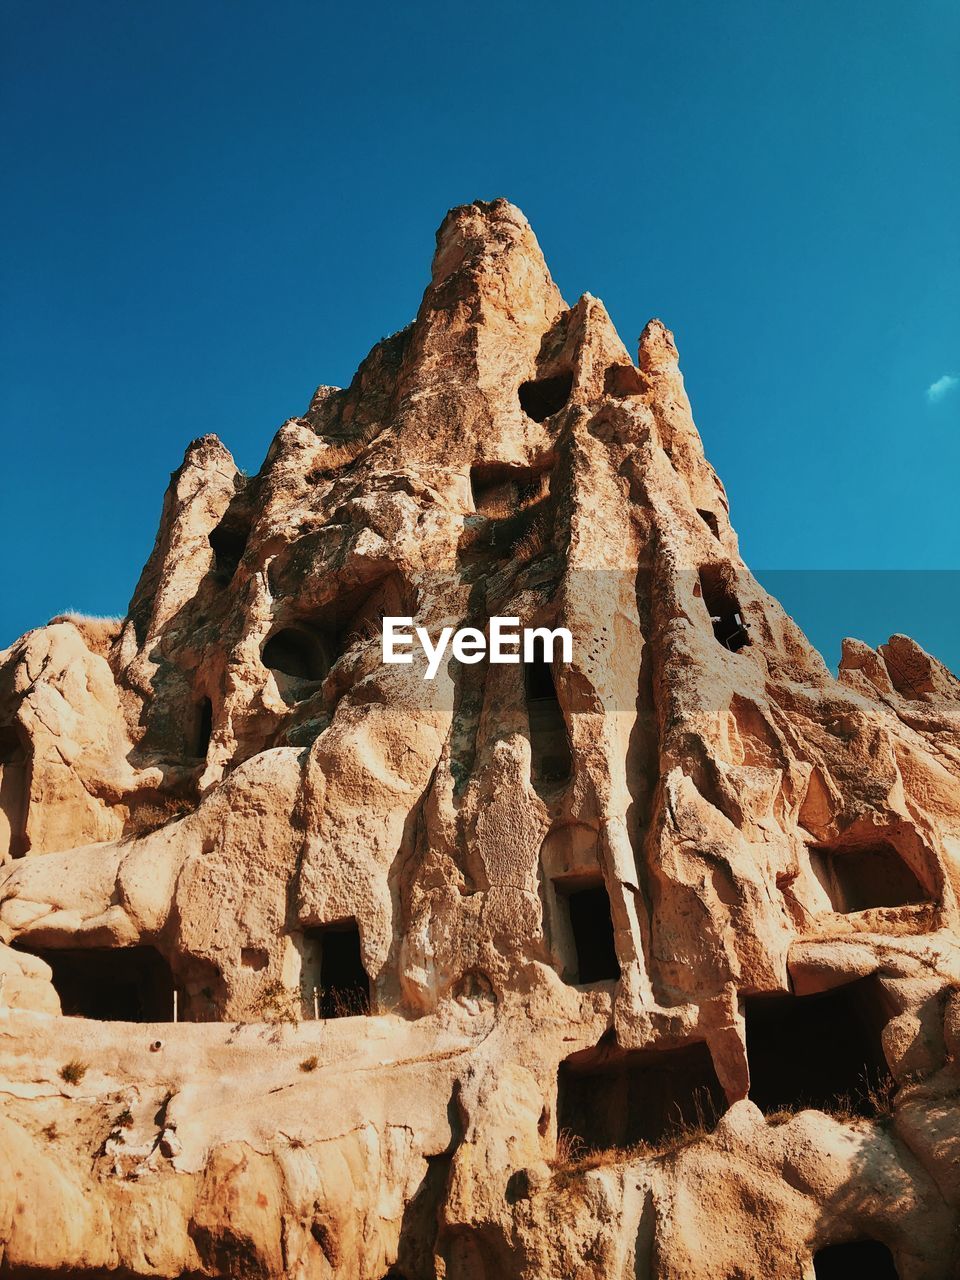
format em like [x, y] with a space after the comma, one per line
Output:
[941, 388]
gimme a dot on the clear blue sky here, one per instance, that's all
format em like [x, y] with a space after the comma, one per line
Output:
[213, 205]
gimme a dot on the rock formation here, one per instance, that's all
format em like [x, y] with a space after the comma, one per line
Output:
[644, 965]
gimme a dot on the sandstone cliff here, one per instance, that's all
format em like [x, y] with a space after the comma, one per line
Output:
[645, 965]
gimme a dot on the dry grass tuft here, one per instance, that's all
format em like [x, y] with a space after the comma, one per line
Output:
[309, 1064]
[154, 813]
[872, 1101]
[276, 1004]
[99, 632]
[73, 1072]
[345, 1003]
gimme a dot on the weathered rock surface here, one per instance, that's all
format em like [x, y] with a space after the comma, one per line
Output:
[661, 944]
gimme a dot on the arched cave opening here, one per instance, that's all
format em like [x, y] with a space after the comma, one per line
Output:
[610, 1097]
[333, 965]
[587, 906]
[549, 743]
[857, 1260]
[111, 984]
[823, 1050]
[723, 607]
[858, 877]
[297, 652]
[541, 398]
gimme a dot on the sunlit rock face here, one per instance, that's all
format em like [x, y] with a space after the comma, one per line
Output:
[641, 965]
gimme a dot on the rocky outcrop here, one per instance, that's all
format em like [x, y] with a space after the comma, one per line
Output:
[641, 965]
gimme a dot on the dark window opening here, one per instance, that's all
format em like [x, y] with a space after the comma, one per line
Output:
[229, 542]
[501, 490]
[12, 750]
[116, 984]
[333, 966]
[203, 729]
[549, 744]
[864, 876]
[709, 518]
[727, 620]
[591, 924]
[611, 1097]
[542, 397]
[297, 652]
[859, 1260]
[821, 1051]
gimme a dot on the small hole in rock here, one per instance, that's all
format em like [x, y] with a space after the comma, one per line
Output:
[542, 397]
[623, 380]
[729, 627]
[228, 541]
[709, 518]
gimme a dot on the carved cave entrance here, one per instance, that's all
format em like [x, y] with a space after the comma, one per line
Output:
[611, 1097]
[587, 907]
[819, 1050]
[864, 876]
[333, 966]
[549, 744]
[859, 1260]
[111, 984]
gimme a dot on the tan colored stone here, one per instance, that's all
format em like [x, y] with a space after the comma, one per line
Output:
[231, 767]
